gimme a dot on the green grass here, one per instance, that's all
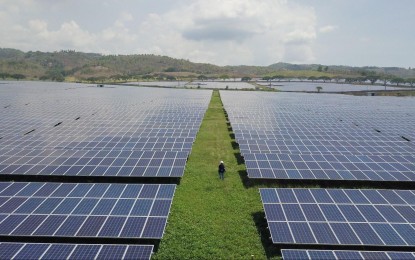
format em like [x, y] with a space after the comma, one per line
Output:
[211, 218]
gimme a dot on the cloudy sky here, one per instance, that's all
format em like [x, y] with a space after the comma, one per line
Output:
[222, 32]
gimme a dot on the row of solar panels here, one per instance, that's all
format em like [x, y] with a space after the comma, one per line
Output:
[26, 251]
[340, 217]
[320, 141]
[294, 254]
[79, 131]
[165, 144]
[316, 137]
[84, 210]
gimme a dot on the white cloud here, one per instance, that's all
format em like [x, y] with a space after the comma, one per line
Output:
[327, 29]
[233, 31]
[216, 31]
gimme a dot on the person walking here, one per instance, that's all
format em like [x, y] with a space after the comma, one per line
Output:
[221, 170]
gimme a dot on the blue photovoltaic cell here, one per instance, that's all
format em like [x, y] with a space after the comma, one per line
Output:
[50, 225]
[8, 250]
[372, 219]
[154, 227]
[323, 232]
[85, 251]
[284, 234]
[31, 251]
[58, 251]
[302, 233]
[133, 227]
[122, 210]
[112, 227]
[288, 254]
[321, 254]
[302, 254]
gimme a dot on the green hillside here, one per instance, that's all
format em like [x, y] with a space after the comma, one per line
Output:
[70, 65]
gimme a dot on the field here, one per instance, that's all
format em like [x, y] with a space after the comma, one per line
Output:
[211, 218]
[276, 140]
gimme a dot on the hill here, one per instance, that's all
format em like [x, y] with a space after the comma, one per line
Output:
[79, 66]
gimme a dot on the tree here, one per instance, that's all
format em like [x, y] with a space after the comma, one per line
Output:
[267, 78]
[18, 76]
[147, 77]
[202, 77]
[320, 68]
[410, 81]
[319, 88]
[385, 78]
[372, 79]
[56, 74]
[326, 68]
[224, 77]
[324, 78]
[278, 77]
[246, 79]
[312, 78]
[4, 75]
[397, 80]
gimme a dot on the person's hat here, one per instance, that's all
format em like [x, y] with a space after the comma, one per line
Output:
[221, 161]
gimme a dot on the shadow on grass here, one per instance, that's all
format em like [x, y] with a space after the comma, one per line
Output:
[239, 158]
[251, 183]
[271, 250]
[235, 145]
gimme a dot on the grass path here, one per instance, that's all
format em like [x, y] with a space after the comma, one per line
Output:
[210, 218]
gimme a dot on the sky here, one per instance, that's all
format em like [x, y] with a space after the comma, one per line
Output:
[221, 32]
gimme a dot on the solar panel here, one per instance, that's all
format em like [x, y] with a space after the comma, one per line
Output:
[84, 209]
[302, 254]
[92, 163]
[73, 251]
[340, 217]
[331, 167]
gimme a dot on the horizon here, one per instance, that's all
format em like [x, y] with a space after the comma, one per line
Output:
[225, 33]
[237, 65]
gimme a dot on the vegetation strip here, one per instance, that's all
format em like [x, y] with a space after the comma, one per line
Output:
[211, 218]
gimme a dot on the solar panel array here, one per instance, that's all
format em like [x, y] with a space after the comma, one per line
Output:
[117, 163]
[320, 136]
[326, 86]
[84, 209]
[74, 129]
[293, 254]
[220, 84]
[340, 217]
[73, 251]
[77, 130]
[165, 84]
